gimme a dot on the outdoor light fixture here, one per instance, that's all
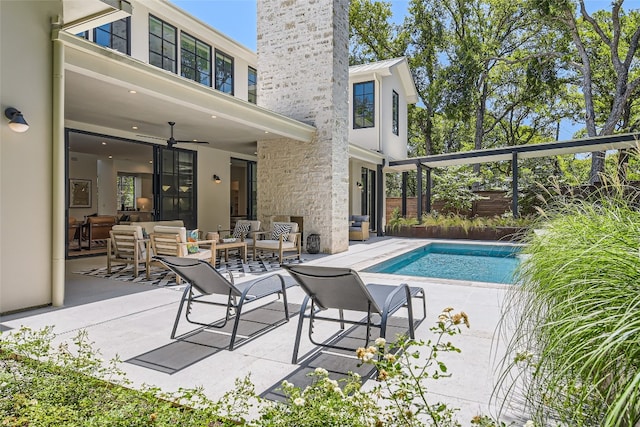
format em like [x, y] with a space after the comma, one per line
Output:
[359, 185]
[217, 179]
[17, 123]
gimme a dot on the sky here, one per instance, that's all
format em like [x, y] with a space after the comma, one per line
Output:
[237, 18]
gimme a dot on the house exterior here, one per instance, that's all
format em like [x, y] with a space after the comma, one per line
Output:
[91, 76]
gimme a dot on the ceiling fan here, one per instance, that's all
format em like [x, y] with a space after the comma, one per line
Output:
[172, 141]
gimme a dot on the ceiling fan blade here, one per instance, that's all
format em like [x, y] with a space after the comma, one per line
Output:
[190, 142]
[152, 137]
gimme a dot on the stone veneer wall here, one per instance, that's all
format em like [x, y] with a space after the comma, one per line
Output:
[303, 73]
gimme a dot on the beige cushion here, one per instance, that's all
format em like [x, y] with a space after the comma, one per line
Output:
[275, 244]
[148, 226]
[130, 228]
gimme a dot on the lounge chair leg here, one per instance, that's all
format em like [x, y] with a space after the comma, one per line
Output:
[296, 346]
[185, 296]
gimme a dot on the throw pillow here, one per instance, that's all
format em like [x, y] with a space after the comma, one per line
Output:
[241, 230]
[280, 230]
[192, 236]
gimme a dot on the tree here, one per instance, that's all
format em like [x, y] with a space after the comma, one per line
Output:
[618, 33]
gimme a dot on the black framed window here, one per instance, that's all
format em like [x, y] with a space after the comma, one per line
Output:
[83, 35]
[114, 35]
[224, 72]
[363, 105]
[253, 85]
[395, 113]
[195, 59]
[162, 44]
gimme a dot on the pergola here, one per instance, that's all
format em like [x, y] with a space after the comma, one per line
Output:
[428, 163]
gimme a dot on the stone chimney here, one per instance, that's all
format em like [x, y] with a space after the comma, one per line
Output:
[303, 73]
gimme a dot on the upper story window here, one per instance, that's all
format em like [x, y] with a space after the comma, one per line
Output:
[224, 72]
[395, 112]
[196, 59]
[114, 35]
[162, 44]
[363, 105]
[253, 85]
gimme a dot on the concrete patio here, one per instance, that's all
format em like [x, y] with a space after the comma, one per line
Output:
[129, 320]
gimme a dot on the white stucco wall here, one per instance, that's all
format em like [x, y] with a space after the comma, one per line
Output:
[243, 57]
[25, 158]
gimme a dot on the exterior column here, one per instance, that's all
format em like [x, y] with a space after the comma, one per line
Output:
[59, 222]
[303, 73]
[514, 181]
[404, 194]
[419, 192]
[428, 196]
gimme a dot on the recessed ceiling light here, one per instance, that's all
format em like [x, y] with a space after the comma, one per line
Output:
[132, 91]
[134, 127]
[104, 143]
[111, 157]
[151, 161]
[195, 140]
[266, 131]
[214, 117]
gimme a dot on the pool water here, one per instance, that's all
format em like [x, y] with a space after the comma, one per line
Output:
[457, 261]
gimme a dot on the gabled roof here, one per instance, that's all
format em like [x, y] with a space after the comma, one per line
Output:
[386, 68]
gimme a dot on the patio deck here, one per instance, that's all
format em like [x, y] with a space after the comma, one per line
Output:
[133, 320]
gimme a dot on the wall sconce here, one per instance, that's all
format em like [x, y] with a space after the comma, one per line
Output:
[17, 123]
[359, 185]
[217, 179]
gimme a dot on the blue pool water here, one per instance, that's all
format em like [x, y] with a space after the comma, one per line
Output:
[457, 261]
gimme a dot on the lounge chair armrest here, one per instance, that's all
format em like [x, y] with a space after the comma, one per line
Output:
[265, 286]
[401, 288]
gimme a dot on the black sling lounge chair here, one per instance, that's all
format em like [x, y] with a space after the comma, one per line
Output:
[343, 289]
[203, 279]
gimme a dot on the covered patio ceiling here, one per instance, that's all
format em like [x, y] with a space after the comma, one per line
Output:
[109, 93]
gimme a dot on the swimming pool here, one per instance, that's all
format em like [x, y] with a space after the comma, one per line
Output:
[457, 261]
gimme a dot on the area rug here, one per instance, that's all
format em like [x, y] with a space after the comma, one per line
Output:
[163, 277]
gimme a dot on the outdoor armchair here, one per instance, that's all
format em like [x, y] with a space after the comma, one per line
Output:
[283, 237]
[343, 289]
[127, 245]
[359, 227]
[204, 280]
[244, 230]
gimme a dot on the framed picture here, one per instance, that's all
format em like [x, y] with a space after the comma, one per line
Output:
[79, 193]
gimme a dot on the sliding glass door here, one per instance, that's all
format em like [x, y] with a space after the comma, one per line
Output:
[176, 189]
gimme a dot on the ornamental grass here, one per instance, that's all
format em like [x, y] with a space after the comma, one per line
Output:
[574, 353]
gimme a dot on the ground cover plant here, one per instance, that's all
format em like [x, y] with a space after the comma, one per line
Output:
[70, 385]
[574, 358]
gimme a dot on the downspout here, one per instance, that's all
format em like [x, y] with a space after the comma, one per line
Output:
[378, 110]
[58, 171]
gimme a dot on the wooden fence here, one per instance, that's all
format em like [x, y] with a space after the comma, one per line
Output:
[492, 203]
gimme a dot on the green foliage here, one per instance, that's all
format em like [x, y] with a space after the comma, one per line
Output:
[70, 385]
[397, 221]
[574, 356]
[454, 186]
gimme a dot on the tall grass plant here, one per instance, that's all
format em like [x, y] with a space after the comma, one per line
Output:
[574, 353]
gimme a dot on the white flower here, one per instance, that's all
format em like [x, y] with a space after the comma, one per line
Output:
[367, 357]
[529, 423]
[321, 371]
[332, 383]
[380, 342]
[298, 401]
[338, 390]
[286, 384]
